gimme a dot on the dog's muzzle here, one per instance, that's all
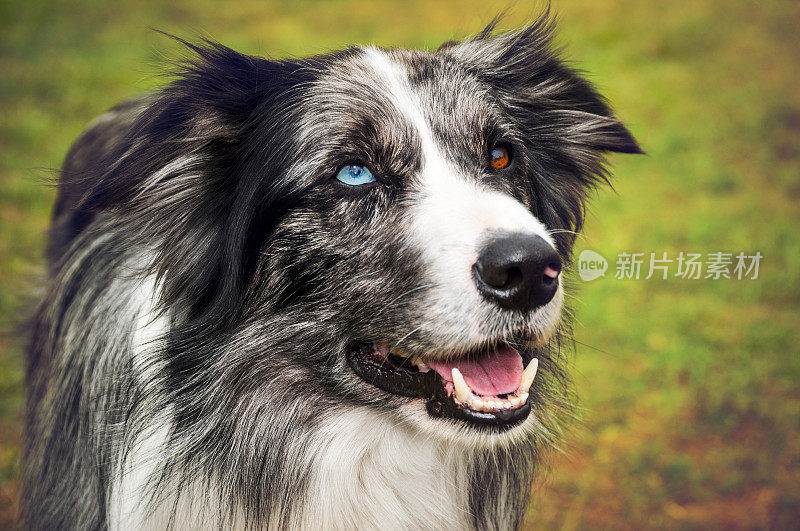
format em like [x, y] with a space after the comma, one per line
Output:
[487, 388]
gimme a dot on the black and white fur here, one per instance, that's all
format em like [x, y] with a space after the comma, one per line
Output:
[207, 274]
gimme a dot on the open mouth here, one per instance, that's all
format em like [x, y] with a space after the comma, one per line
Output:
[487, 388]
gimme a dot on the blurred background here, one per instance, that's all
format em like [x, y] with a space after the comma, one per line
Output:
[690, 389]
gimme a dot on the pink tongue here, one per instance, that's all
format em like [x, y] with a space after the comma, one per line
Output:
[494, 373]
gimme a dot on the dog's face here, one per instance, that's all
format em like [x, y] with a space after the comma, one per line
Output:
[392, 231]
[428, 245]
[437, 216]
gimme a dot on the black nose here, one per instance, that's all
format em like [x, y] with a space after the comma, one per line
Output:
[517, 272]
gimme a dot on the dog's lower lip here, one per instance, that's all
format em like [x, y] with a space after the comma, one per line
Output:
[394, 375]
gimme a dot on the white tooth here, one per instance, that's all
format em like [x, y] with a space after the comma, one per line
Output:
[476, 403]
[528, 375]
[463, 392]
[514, 401]
[523, 398]
[506, 404]
[494, 405]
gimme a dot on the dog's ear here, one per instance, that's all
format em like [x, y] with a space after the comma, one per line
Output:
[548, 97]
[185, 176]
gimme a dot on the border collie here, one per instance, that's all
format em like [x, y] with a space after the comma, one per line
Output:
[319, 293]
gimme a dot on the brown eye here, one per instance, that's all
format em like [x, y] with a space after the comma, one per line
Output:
[500, 157]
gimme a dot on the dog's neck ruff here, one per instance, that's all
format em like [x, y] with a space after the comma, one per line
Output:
[365, 471]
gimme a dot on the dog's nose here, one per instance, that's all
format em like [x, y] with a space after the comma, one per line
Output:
[517, 272]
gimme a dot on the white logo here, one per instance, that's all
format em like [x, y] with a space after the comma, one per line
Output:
[591, 265]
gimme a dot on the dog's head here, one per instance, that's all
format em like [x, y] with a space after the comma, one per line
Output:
[384, 228]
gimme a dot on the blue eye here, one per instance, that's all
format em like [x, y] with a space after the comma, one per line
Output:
[355, 175]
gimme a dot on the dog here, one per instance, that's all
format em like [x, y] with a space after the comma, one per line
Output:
[317, 293]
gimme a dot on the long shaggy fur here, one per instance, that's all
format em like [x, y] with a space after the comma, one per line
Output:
[207, 275]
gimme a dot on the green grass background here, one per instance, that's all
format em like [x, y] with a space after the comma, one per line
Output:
[690, 406]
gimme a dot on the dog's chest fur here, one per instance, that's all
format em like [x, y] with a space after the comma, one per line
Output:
[369, 472]
[366, 472]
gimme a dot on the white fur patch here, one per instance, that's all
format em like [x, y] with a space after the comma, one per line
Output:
[150, 328]
[129, 504]
[371, 472]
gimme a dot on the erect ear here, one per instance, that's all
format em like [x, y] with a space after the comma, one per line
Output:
[548, 96]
